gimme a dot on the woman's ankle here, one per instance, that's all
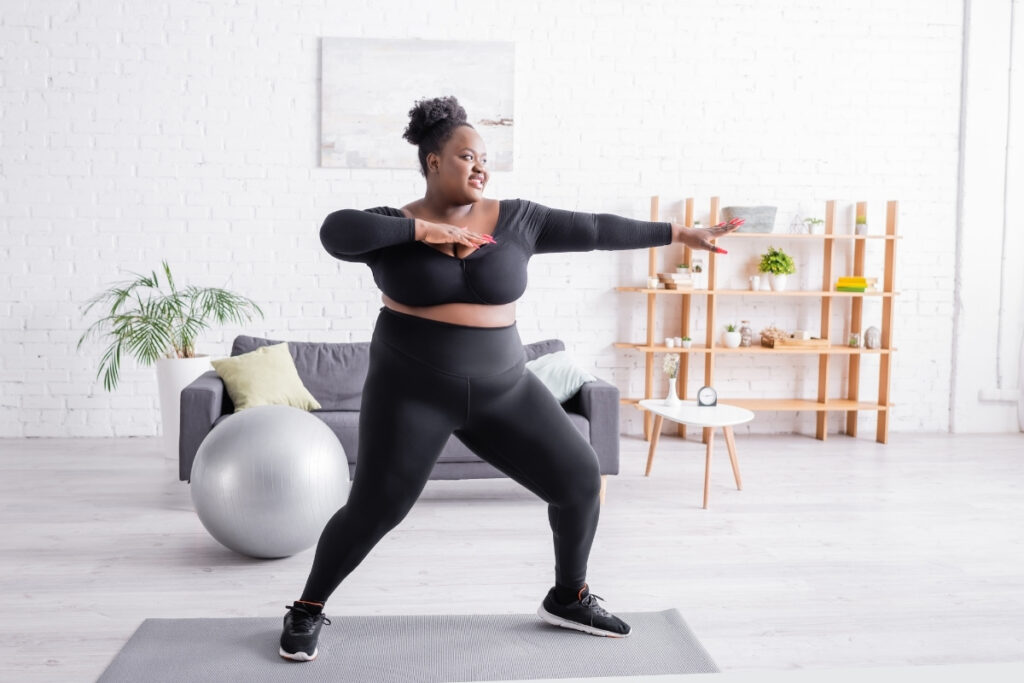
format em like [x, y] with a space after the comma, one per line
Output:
[309, 606]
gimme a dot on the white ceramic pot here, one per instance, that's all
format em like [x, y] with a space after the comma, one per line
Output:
[173, 375]
[732, 340]
[779, 282]
[687, 343]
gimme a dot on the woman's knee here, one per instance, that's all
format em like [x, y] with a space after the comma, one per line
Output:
[379, 513]
[583, 484]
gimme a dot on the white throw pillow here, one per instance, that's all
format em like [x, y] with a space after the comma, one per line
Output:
[559, 374]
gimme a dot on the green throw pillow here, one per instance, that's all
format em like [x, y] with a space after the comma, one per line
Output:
[559, 374]
[266, 376]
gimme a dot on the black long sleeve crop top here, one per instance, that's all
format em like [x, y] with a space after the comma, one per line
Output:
[416, 274]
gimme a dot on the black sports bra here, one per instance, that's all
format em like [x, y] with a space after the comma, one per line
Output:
[416, 274]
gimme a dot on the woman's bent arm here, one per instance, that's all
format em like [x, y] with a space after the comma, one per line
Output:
[355, 235]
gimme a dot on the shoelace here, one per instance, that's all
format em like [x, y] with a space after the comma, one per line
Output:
[304, 619]
[590, 600]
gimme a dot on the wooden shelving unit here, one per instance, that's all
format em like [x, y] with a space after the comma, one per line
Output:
[822, 404]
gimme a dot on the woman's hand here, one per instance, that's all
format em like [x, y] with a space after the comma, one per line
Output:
[700, 238]
[443, 233]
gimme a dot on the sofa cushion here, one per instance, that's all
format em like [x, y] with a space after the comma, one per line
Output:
[334, 372]
[535, 350]
[345, 424]
[264, 376]
[560, 374]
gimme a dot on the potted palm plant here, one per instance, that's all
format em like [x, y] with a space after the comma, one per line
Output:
[778, 265]
[162, 329]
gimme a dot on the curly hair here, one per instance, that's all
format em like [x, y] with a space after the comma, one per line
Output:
[431, 124]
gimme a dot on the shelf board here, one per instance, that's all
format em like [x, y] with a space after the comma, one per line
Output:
[747, 292]
[695, 348]
[783, 350]
[797, 292]
[788, 404]
[805, 236]
[832, 348]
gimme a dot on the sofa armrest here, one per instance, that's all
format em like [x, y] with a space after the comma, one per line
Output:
[598, 401]
[202, 402]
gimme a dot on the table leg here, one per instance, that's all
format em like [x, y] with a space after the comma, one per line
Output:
[731, 443]
[654, 443]
[707, 466]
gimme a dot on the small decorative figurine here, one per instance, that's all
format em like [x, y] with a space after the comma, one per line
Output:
[872, 338]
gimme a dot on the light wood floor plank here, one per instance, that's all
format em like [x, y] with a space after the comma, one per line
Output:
[846, 553]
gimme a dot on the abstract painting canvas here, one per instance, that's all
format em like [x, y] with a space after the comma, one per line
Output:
[368, 86]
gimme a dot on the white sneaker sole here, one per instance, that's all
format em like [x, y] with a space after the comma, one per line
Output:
[297, 656]
[568, 623]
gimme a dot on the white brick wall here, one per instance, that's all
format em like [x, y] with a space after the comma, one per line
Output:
[187, 130]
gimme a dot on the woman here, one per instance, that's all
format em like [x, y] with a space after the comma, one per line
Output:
[446, 357]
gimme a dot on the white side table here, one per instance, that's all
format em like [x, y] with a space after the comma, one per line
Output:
[688, 412]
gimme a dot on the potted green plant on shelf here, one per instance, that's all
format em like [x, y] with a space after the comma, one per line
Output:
[862, 225]
[778, 265]
[697, 272]
[732, 337]
[814, 225]
[687, 342]
[162, 329]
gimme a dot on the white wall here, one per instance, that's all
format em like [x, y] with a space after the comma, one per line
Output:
[989, 304]
[187, 130]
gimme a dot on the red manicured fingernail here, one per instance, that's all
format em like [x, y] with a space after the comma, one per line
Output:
[718, 250]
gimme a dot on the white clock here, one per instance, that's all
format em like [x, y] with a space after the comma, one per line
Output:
[707, 396]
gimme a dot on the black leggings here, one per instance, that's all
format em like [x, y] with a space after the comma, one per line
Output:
[426, 380]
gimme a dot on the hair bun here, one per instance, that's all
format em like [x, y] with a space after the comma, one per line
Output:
[428, 113]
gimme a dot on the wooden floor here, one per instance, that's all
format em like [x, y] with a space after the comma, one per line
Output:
[843, 553]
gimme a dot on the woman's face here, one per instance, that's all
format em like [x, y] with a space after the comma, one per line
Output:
[462, 166]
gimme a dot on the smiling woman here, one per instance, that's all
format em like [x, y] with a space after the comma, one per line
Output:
[446, 359]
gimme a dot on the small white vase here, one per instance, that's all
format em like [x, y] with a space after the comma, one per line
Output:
[779, 282]
[672, 399]
[732, 339]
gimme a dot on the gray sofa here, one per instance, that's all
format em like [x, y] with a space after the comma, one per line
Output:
[334, 373]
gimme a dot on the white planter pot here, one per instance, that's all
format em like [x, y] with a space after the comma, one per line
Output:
[173, 375]
[732, 339]
[779, 282]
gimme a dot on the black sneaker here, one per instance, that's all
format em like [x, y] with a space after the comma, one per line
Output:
[301, 630]
[583, 615]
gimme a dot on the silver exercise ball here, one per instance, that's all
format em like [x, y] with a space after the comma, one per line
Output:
[266, 480]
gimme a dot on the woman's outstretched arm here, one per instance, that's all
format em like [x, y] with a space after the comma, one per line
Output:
[557, 230]
[356, 235]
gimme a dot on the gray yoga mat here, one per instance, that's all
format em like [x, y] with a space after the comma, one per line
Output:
[410, 649]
